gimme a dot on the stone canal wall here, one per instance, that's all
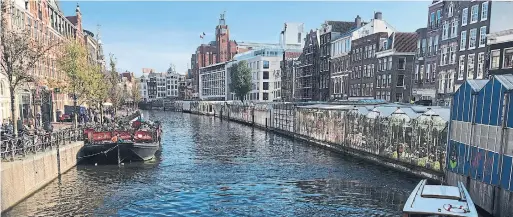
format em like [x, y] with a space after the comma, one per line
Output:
[21, 178]
[402, 137]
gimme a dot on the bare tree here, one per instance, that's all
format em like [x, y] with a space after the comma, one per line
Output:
[19, 54]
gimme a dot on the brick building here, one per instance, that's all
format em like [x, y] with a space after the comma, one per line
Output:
[221, 50]
[307, 71]
[362, 77]
[396, 57]
[46, 23]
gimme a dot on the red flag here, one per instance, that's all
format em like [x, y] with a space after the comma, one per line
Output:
[201, 36]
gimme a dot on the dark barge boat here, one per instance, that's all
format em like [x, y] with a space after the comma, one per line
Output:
[136, 145]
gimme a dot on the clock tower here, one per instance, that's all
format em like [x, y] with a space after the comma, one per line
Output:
[223, 40]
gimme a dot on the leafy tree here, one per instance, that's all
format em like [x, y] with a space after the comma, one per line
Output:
[100, 86]
[19, 54]
[80, 80]
[136, 92]
[240, 75]
[115, 91]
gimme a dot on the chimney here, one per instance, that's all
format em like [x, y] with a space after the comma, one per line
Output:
[378, 15]
[358, 21]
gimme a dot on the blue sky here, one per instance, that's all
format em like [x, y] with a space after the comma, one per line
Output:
[144, 34]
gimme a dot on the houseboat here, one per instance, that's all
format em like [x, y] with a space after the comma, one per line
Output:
[440, 201]
[118, 146]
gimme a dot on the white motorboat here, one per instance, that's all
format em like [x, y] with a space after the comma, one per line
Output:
[439, 201]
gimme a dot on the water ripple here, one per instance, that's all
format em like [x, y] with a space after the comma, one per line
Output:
[210, 167]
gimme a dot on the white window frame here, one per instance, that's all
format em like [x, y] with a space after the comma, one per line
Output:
[450, 80]
[452, 53]
[445, 30]
[504, 58]
[480, 65]
[484, 11]
[474, 10]
[463, 40]
[450, 12]
[464, 17]
[498, 52]
[441, 82]
[482, 43]
[430, 45]
[416, 73]
[471, 65]
[461, 67]
[428, 72]
[454, 28]
[470, 40]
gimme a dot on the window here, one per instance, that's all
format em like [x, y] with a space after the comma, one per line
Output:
[495, 56]
[451, 10]
[438, 17]
[389, 80]
[484, 11]
[443, 60]
[441, 83]
[421, 72]
[380, 67]
[433, 71]
[463, 40]
[470, 66]
[482, 36]
[452, 54]
[265, 96]
[432, 20]
[462, 67]
[430, 45]
[402, 63]
[454, 28]
[265, 86]
[265, 75]
[428, 72]
[378, 81]
[436, 44]
[418, 47]
[474, 13]
[508, 58]
[389, 63]
[464, 16]
[472, 39]
[416, 73]
[445, 33]
[480, 65]
[450, 85]
[424, 48]
[399, 97]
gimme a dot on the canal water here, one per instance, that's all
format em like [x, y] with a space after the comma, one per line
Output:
[210, 167]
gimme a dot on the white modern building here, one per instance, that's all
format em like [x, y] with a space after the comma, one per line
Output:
[213, 83]
[266, 74]
[293, 35]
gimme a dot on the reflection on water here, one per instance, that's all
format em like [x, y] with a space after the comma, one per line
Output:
[210, 167]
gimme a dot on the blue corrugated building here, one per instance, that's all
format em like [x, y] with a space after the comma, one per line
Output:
[480, 146]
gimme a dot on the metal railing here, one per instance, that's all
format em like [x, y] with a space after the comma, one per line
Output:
[23, 145]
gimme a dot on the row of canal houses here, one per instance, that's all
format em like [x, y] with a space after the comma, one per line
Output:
[471, 142]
